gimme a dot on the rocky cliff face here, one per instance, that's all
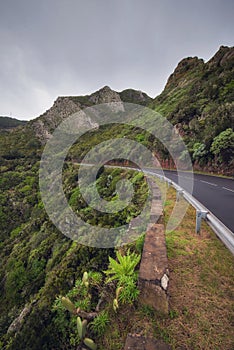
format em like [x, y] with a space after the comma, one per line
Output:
[65, 106]
[180, 75]
[45, 124]
[104, 95]
[223, 57]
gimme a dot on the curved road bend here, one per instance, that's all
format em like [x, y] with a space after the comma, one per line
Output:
[215, 193]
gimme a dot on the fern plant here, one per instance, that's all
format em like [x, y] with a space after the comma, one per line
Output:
[125, 266]
[123, 271]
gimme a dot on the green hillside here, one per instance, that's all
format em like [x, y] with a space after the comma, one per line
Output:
[9, 123]
[198, 101]
[39, 263]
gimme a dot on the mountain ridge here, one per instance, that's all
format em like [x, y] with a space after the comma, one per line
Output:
[8, 123]
[197, 100]
[67, 105]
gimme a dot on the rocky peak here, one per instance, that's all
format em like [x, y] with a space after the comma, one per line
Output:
[222, 57]
[185, 65]
[65, 106]
[134, 96]
[104, 95]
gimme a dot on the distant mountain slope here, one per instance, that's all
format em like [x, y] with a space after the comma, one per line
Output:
[65, 106]
[197, 100]
[28, 142]
[133, 96]
[9, 123]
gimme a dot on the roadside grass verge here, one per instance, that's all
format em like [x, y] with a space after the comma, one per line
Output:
[201, 292]
[201, 286]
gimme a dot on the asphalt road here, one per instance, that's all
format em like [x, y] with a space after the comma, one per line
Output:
[215, 193]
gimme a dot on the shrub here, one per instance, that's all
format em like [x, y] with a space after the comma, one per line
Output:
[100, 323]
[125, 266]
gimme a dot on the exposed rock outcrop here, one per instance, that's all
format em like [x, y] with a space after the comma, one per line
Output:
[45, 124]
[179, 76]
[16, 325]
[222, 57]
[105, 95]
[66, 106]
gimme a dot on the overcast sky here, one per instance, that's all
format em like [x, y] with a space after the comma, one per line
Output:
[52, 48]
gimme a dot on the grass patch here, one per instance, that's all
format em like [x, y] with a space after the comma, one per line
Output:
[201, 287]
[201, 292]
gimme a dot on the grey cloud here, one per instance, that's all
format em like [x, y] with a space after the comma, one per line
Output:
[73, 47]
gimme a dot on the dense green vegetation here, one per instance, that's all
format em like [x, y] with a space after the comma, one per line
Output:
[38, 262]
[198, 100]
[9, 123]
[94, 299]
[39, 265]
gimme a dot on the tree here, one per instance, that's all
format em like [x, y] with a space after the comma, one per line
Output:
[223, 146]
[199, 151]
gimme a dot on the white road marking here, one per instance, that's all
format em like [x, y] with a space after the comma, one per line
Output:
[209, 183]
[228, 189]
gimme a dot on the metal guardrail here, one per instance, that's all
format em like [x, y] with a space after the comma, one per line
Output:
[222, 231]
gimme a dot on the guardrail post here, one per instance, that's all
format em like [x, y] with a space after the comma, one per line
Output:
[200, 214]
[179, 194]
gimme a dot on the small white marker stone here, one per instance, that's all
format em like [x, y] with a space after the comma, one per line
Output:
[164, 281]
